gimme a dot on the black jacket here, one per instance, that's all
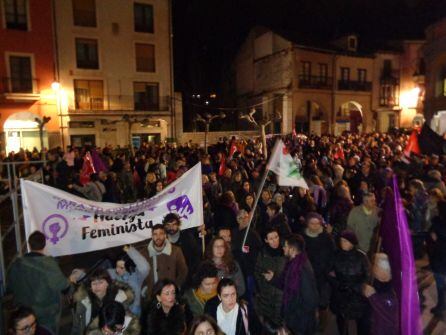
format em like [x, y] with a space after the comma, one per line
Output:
[351, 269]
[438, 247]
[246, 259]
[159, 323]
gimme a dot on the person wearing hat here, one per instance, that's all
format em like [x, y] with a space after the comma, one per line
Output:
[349, 272]
[382, 298]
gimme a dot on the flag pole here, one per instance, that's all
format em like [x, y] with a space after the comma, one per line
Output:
[262, 183]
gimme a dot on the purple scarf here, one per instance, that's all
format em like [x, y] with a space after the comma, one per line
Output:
[289, 280]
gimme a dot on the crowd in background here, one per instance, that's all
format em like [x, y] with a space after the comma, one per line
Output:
[308, 252]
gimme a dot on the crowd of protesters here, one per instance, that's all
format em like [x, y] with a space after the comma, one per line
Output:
[307, 252]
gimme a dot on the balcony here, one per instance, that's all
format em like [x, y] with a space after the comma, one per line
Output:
[117, 104]
[315, 82]
[20, 89]
[389, 92]
[354, 85]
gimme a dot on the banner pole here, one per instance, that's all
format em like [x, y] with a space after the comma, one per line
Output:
[262, 183]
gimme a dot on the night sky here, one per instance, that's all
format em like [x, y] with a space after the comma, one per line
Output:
[207, 33]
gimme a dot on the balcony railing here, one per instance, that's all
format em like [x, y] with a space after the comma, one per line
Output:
[354, 85]
[19, 85]
[316, 82]
[84, 103]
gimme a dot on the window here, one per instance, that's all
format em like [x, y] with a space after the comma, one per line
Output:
[145, 57]
[143, 17]
[323, 72]
[84, 13]
[387, 68]
[81, 124]
[146, 96]
[352, 43]
[87, 53]
[89, 94]
[305, 70]
[345, 74]
[16, 16]
[21, 80]
[362, 75]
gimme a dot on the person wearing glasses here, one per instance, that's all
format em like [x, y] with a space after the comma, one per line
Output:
[113, 320]
[23, 321]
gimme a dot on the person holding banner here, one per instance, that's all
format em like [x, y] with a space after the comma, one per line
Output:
[36, 280]
[166, 260]
[133, 276]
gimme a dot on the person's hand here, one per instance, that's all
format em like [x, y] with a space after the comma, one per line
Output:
[126, 248]
[76, 275]
[268, 275]
[368, 290]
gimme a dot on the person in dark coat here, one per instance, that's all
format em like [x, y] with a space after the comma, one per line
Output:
[349, 272]
[438, 256]
[225, 215]
[36, 280]
[268, 300]
[383, 299]
[277, 220]
[300, 295]
[186, 239]
[320, 250]
[166, 316]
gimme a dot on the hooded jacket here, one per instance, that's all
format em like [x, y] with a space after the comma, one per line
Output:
[82, 317]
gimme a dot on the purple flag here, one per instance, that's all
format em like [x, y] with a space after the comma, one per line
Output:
[397, 244]
[98, 163]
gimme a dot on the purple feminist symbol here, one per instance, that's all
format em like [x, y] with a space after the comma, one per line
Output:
[181, 205]
[55, 227]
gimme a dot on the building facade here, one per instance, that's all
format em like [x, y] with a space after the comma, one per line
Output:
[435, 60]
[115, 71]
[27, 65]
[322, 90]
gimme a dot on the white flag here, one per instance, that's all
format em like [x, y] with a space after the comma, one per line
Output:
[74, 225]
[285, 167]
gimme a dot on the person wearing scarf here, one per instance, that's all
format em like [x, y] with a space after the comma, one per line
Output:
[300, 296]
[205, 288]
[231, 315]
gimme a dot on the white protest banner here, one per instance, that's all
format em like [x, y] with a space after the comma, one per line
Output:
[74, 225]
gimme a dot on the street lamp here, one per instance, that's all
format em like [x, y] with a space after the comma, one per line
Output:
[57, 88]
[41, 123]
[207, 119]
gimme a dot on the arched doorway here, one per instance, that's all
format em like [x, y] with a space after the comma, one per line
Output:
[350, 118]
[310, 118]
[22, 131]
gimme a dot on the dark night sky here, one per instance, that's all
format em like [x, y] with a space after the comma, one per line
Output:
[207, 33]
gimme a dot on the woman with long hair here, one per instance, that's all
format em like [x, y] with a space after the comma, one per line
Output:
[90, 298]
[219, 254]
